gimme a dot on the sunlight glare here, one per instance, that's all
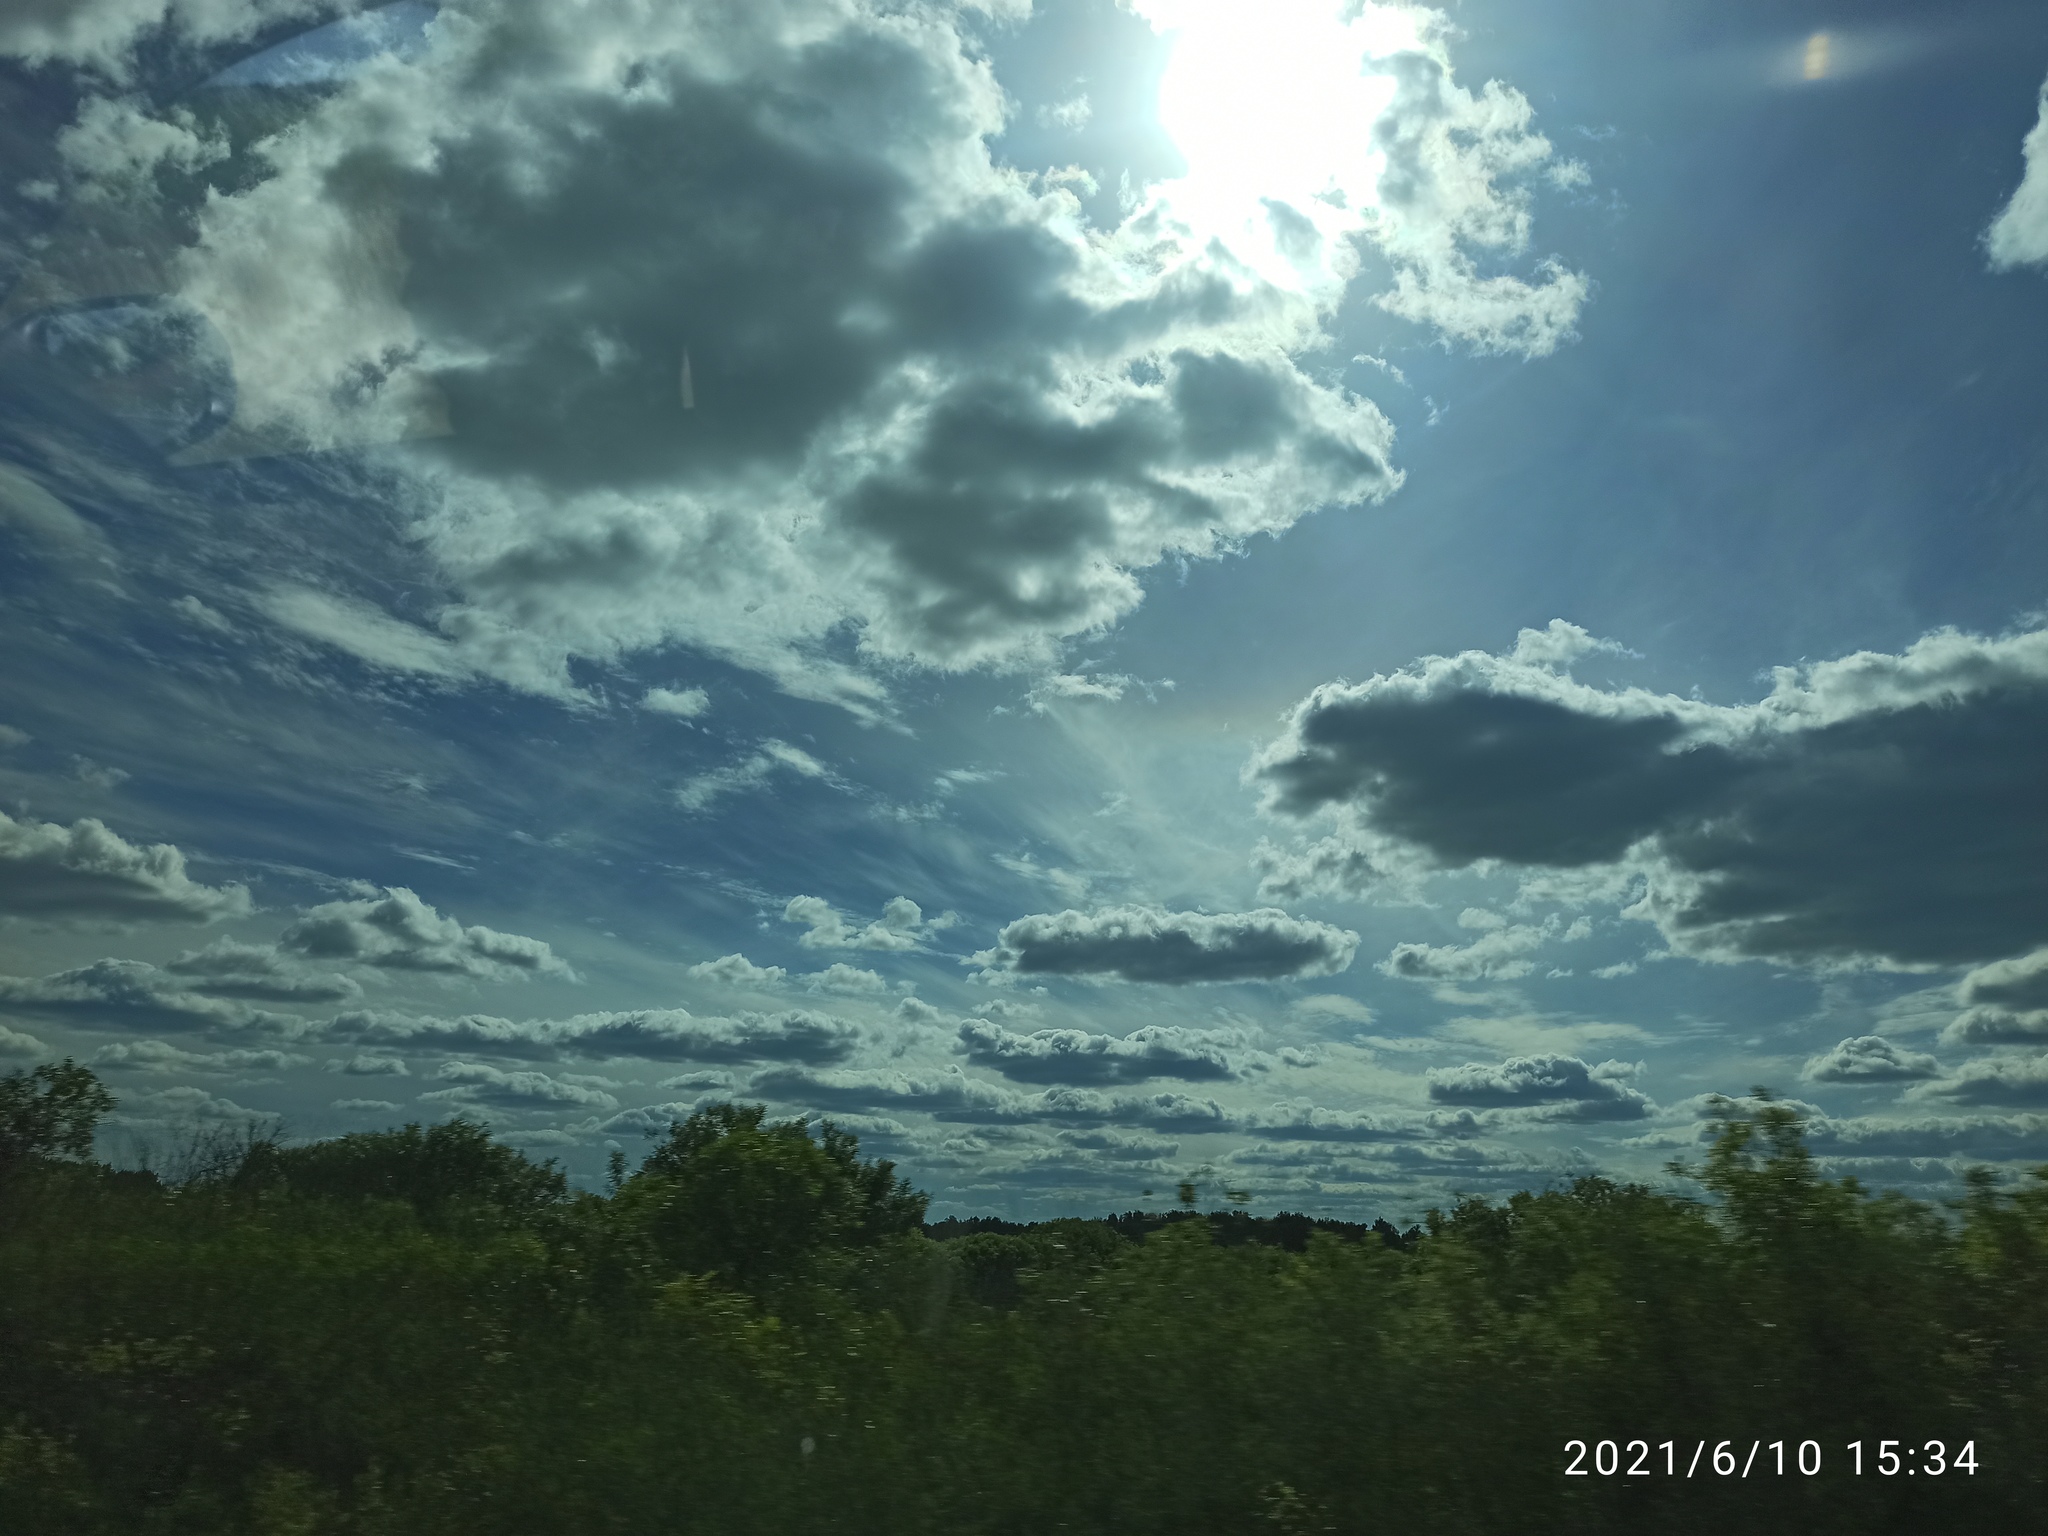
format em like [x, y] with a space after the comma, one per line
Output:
[1273, 102]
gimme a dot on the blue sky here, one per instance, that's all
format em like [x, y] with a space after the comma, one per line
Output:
[1359, 605]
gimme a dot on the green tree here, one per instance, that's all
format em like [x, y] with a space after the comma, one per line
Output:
[759, 1203]
[50, 1112]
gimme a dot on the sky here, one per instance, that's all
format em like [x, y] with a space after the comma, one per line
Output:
[1351, 603]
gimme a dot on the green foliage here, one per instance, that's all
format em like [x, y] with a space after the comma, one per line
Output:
[419, 1333]
[51, 1111]
[761, 1204]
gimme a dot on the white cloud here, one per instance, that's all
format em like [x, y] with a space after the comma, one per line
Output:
[1558, 1087]
[158, 1056]
[648, 1034]
[2019, 235]
[826, 928]
[932, 411]
[14, 1042]
[683, 703]
[701, 792]
[87, 872]
[1077, 1056]
[1148, 944]
[848, 979]
[134, 996]
[398, 931]
[737, 970]
[1869, 1059]
[480, 1083]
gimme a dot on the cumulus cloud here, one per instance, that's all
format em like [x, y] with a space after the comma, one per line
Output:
[1076, 1056]
[848, 979]
[1560, 1087]
[102, 34]
[2019, 1081]
[1133, 943]
[1870, 1059]
[831, 374]
[86, 872]
[825, 927]
[397, 931]
[479, 1083]
[656, 1034]
[2019, 235]
[736, 970]
[15, 1042]
[2006, 1003]
[1304, 1121]
[1875, 807]
[1499, 953]
[259, 973]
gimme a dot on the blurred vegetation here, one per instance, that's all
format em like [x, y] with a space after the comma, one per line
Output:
[421, 1331]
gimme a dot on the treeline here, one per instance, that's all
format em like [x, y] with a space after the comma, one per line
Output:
[421, 1331]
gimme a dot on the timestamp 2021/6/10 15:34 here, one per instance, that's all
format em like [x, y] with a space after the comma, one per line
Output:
[1769, 1458]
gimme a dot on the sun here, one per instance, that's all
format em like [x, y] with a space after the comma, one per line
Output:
[1272, 104]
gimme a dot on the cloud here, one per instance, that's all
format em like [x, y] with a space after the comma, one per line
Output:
[659, 1034]
[1875, 808]
[736, 970]
[131, 995]
[157, 1056]
[14, 1042]
[1564, 1086]
[2019, 235]
[365, 1106]
[398, 931]
[952, 1095]
[257, 972]
[932, 412]
[1303, 1121]
[1148, 944]
[1870, 1059]
[102, 34]
[684, 704]
[699, 793]
[2006, 1003]
[2020, 1081]
[1076, 1056]
[87, 872]
[371, 1066]
[826, 928]
[478, 1083]
[848, 979]
[1498, 954]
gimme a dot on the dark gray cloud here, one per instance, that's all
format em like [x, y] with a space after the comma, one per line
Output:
[86, 872]
[397, 931]
[1135, 943]
[1076, 1056]
[134, 996]
[1874, 807]
[1870, 1059]
[1564, 1087]
[952, 1095]
[650, 1034]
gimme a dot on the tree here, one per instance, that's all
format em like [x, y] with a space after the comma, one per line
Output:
[759, 1203]
[50, 1112]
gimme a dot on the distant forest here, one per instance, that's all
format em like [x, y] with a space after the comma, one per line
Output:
[422, 1331]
